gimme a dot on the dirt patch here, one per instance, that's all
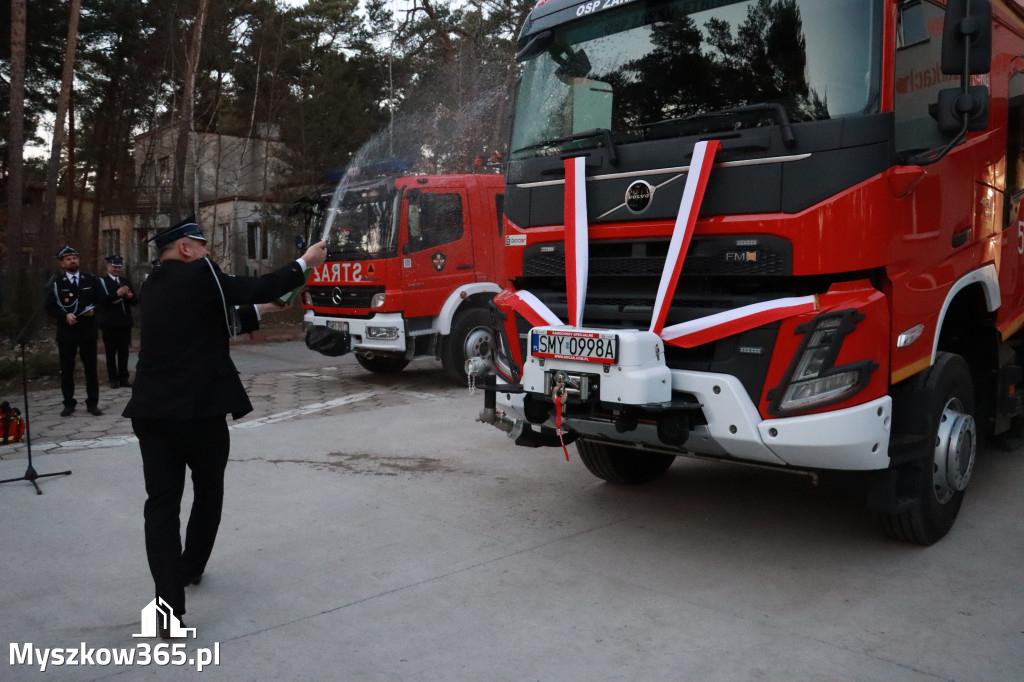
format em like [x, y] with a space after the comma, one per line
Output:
[372, 465]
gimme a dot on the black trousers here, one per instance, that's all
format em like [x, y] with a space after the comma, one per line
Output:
[83, 343]
[116, 342]
[169, 446]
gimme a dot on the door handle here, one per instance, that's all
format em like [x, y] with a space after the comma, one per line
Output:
[464, 267]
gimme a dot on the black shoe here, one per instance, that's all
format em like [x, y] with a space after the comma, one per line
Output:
[125, 384]
[94, 411]
[68, 409]
[194, 580]
[115, 384]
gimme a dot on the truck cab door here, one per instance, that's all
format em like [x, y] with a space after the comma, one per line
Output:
[437, 250]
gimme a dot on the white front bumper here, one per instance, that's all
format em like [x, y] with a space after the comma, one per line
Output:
[357, 330]
[855, 438]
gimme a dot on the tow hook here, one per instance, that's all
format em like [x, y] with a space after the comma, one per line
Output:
[477, 367]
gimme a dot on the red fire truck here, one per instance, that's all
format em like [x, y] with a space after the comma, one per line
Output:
[778, 232]
[411, 267]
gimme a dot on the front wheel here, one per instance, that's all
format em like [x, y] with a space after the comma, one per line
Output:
[938, 403]
[470, 337]
[380, 363]
[617, 464]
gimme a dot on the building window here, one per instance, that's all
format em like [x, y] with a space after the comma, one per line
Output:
[142, 246]
[258, 242]
[111, 243]
[163, 172]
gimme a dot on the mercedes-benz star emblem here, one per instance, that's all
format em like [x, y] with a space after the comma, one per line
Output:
[638, 196]
[337, 295]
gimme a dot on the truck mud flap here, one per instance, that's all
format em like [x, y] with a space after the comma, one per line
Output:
[328, 342]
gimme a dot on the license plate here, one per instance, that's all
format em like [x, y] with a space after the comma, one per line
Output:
[574, 344]
[338, 325]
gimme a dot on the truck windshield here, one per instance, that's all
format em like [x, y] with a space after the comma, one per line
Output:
[651, 69]
[359, 223]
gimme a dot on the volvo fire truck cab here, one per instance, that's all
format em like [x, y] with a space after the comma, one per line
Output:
[412, 264]
[776, 232]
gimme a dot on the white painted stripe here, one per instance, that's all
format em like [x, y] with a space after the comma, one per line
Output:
[307, 409]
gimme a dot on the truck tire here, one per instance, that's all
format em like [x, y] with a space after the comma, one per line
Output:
[622, 465]
[382, 364]
[940, 403]
[470, 336]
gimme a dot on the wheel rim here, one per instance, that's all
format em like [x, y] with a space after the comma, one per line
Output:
[955, 448]
[479, 342]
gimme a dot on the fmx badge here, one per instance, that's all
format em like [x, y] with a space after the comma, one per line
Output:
[159, 615]
[438, 259]
[741, 256]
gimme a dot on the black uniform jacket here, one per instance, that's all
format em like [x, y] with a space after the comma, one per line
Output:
[185, 369]
[115, 311]
[63, 298]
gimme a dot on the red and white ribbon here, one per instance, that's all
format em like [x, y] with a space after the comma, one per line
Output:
[559, 402]
[721, 325]
[693, 193]
[531, 308]
[577, 252]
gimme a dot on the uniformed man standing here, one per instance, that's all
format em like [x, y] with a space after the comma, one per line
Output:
[185, 385]
[115, 319]
[72, 302]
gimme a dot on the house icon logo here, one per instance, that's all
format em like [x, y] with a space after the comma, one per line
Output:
[159, 610]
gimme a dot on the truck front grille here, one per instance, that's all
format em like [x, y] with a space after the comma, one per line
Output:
[343, 296]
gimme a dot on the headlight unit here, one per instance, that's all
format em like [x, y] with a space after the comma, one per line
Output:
[377, 301]
[382, 333]
[812, 379]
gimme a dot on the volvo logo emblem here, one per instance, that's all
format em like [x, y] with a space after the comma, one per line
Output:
[638, 196]
[337, 296]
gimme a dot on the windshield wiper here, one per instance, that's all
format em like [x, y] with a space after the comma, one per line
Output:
[605, 133]
[347, 251]
[774, 107]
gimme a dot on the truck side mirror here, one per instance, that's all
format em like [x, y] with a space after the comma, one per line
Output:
[967, 37]
[953, 103]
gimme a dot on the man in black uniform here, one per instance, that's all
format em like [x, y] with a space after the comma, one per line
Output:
[115, 319]
[72, 301]
[185, 384]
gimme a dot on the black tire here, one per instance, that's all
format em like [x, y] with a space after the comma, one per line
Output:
[382, 364]
[470, 336]
[622, 465]
[938, 403]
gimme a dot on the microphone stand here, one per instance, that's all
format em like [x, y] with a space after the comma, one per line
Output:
[30, 473]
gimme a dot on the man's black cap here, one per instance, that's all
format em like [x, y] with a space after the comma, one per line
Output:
[186, 228]
[115, 260]
[66, 251]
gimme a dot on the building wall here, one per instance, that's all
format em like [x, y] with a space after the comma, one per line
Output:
[228, 181]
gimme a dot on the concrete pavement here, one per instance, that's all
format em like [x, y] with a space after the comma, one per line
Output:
[376, 532]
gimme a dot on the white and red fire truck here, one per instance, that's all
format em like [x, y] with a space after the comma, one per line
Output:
[778, 232]
[412, 264]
